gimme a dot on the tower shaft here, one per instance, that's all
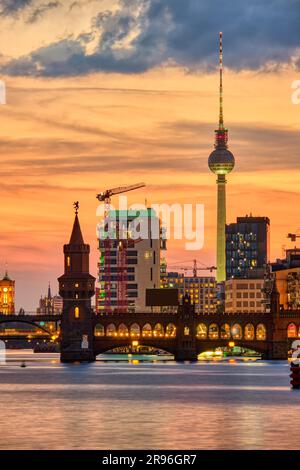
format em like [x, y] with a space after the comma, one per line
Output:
[221, 221]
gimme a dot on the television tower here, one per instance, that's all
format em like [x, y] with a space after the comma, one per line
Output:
[221, 162]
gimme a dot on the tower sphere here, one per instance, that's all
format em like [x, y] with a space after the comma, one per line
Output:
[221, 161]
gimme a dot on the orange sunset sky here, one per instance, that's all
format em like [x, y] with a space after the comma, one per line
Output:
[109, 93]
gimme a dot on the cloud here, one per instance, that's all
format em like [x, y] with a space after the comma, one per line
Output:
[142, 34]
[12, 7]
[38, 12]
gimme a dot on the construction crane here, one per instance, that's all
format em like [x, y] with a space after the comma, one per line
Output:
[105, 197]
[292, 236]
[195, 267]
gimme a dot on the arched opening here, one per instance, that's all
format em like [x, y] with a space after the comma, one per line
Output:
[123, 330]
[111, 330]
[225, 331]
[158, 331]
[202, 331]
[99, 330]
[237, 331]
[249, 332]
[213, 331]
[171, 330]
[76, 312]
[147, 331]
[292, 331]
[135, 330]
[261, 332]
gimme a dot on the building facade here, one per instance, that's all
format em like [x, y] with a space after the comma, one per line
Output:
[244, 296]
[138, 270]
[247, 247]
[49, 304]
[201, 290]
[287, 275]
[7, 295]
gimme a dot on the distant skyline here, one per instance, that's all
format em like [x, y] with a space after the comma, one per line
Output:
[107, 93]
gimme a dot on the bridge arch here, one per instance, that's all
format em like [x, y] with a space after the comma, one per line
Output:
[123, 330]
[201, 331]
[111, 329]
[249, 332]
[147, 330]
[158, 330]
[261, 332]
[237, 331]
[225, 331]
[28, 322]
[170, 330]
[135, 330]
[99, 330]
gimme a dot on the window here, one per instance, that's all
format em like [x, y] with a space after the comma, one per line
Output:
[68, 261]
[186, 331]
[76, 312]
[292, 331]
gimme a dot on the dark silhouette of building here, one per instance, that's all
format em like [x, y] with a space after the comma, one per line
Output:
[76, 287]
[50, 304]
[247, 247]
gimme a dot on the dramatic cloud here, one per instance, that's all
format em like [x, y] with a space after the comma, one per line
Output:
[11, 7]
[142, 34]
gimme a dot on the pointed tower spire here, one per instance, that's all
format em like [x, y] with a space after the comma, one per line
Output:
[49, 291]
[76, 236]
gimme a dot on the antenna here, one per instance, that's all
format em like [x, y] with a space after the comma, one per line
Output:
[221, 122]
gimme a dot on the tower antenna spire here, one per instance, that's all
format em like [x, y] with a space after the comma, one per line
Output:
[221, 121]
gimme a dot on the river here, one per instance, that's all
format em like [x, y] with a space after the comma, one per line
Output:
[146, 405]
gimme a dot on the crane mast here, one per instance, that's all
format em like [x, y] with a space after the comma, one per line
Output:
[105, 197]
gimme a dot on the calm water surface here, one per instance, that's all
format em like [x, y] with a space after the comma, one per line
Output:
[242, 405]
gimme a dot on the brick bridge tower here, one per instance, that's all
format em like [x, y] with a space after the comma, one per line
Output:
[186, 332]
[76, 287]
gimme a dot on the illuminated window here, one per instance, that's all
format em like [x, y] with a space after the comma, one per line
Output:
[76, 312]
[292, 331]
[76, 285]
[68, 261]
[186, 331]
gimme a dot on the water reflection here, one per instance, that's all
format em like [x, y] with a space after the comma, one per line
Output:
[157, 405]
